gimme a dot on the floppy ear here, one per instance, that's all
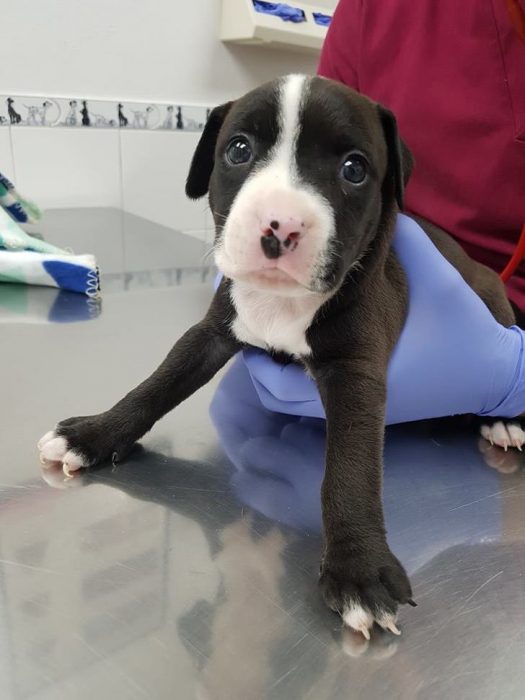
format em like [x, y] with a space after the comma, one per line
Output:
[400, 159]
[204, 157]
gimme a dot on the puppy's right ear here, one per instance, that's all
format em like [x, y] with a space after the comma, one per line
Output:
[204, 157]
[400, 158]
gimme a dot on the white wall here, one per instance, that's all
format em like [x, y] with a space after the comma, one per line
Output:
[145, 50]
[160, 50]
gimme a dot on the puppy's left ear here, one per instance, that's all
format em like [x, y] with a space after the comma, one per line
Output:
[203, 160]
[400, 159]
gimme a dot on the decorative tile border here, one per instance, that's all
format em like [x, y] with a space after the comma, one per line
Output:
[4, 121]
[20, 111]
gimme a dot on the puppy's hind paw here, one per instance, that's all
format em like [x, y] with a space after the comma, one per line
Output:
[504, 434]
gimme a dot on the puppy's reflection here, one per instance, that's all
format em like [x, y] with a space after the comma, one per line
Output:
[438, 500]
[430, 469]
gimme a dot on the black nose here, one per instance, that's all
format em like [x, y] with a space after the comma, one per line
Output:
[271, 246]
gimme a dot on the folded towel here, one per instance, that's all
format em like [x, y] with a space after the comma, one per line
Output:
[20, 209]
[29, 260]
[76, 273]
[12, 237]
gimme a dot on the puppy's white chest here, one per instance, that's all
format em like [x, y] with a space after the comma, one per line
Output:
[270, 321]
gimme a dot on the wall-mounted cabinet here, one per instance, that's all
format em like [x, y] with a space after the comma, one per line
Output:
[265, 24]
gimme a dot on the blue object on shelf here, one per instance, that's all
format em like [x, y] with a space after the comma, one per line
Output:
[322, 19]
[286, 12]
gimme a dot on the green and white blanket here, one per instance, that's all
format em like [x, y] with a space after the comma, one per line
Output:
[25, 259]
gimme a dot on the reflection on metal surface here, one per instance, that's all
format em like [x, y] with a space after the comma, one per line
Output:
[191, 569]
[280, 458]
[63, 598]
[151, 279]
[445, 510]
[132, 253]
[21, 303]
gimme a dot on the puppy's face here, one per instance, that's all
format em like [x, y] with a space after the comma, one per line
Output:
[299, 172]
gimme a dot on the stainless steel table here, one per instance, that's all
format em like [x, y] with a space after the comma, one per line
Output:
[190, 570]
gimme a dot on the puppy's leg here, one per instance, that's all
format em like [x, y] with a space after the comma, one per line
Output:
[192, 362]
[360, 577]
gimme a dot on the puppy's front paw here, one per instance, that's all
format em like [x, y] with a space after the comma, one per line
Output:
[80, 442]
[54, 448]
[365, 588]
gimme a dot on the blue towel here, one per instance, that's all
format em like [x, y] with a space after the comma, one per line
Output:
[323, 20]
[279, 9]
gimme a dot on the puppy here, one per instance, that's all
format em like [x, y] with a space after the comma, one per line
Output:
[305, 178]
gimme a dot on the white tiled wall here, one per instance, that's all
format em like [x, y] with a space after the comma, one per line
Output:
[6, 157]
[142, 172]
[155, 165]
[62, 168]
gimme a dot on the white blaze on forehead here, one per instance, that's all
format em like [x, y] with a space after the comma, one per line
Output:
[290, 102]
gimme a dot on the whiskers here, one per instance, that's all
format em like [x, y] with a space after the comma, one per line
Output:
[208, 255]
[357, 265]
[221, 218]
[219, 221]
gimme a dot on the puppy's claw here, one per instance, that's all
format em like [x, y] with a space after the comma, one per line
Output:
[388, 622]
[365, 632]
[392, 628]
[517, 435]
[412, 603]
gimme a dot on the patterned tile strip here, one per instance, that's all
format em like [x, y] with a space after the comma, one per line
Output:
[20, 111]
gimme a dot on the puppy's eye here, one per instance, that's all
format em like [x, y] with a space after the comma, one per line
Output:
[238, 151]
[354, 169]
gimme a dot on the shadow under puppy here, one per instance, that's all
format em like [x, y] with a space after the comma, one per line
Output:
[305, 178]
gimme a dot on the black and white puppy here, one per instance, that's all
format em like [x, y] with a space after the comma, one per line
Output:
[305, 178]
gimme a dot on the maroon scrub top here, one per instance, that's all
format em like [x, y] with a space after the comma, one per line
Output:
[453, 72]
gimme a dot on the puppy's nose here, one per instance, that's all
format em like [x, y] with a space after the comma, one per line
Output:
[280, 235]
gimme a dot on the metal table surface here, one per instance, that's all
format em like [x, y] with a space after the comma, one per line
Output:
[190, 570]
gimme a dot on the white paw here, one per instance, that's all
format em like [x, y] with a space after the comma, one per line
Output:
[54, 448]
[361, 620]
[504, 435]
